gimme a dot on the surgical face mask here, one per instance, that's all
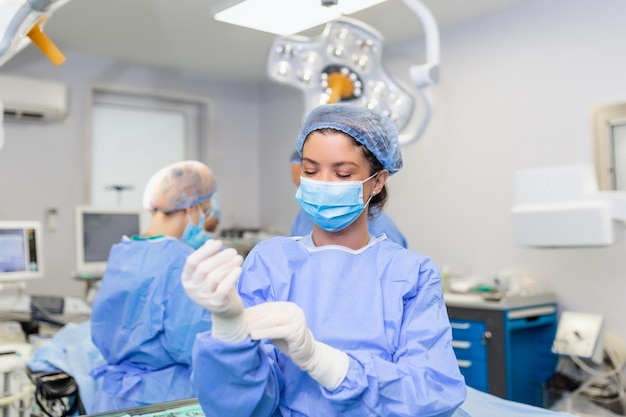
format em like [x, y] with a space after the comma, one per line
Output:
[194, 234]
[332, 205]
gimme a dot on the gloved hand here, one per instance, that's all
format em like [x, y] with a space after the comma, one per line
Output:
[285, 324]
[209, 279]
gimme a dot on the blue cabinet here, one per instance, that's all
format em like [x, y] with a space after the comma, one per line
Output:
[504, 347]
[468, 341]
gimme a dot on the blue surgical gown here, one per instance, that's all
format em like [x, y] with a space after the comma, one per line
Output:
[381, 223]
[381, 304]
[144, 325]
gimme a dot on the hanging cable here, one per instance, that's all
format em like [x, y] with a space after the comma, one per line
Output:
[611, 379]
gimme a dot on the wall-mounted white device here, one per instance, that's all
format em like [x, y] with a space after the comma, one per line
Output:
[561, 206]
[580, 335]
[28, 99]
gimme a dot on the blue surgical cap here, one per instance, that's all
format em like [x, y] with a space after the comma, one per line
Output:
[373, 130]
[295, 158]
[179, 186]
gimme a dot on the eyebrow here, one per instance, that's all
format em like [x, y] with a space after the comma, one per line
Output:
[335, 165]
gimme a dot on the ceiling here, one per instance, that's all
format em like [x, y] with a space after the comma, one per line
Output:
[182, 34]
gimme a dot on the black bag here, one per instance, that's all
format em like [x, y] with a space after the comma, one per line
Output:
[57, 394]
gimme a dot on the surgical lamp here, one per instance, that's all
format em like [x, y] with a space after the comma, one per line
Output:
[344, 65]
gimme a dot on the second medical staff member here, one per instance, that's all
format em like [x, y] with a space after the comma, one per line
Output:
[142, 321]
[339, 322]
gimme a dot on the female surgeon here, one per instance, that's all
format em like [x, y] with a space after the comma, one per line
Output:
[338, 322]
[142, 321]
[377, 222]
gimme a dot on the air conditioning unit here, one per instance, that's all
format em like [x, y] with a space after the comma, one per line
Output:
[33, 99]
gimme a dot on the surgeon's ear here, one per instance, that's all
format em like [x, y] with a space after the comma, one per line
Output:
[380, 180]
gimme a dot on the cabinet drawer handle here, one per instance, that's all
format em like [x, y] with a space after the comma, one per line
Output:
[461, 345]
[460, 326]
[464, 364]
[531, 312]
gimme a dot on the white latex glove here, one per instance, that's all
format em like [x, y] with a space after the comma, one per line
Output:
[209, 278]
[285, 324]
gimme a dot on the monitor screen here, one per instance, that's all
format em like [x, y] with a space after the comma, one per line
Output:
[20, 250]
[96, 231]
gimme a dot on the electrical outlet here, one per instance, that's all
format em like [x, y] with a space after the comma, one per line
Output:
[580, 335]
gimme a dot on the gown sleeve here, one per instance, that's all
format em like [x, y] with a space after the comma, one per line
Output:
[182, 318]
[237, 379]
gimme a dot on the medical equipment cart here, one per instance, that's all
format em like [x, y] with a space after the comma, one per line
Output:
[503, 347]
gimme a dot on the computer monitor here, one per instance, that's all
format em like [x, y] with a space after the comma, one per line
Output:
[97, 230]
[20, 250]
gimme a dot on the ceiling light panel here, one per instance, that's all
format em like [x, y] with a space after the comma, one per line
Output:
[287, 17]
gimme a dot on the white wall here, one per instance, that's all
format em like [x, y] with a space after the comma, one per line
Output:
[515, 92]
[280, 115]
[44, 166]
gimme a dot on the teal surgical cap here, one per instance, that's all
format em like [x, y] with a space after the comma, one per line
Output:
[371, 129]
[179, 186]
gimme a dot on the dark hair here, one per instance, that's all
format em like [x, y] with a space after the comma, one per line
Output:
[378, 201]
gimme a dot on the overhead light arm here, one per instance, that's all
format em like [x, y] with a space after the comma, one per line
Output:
[425, 75]
[428, 73]
[23, 23]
